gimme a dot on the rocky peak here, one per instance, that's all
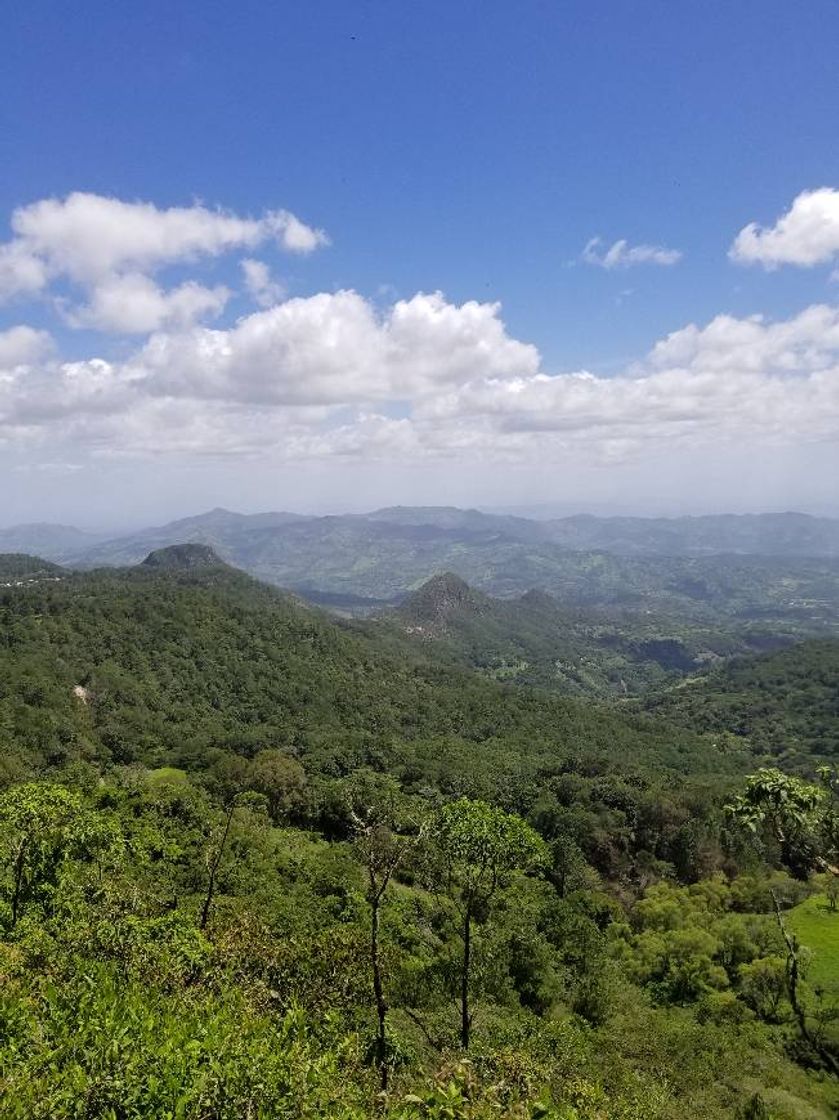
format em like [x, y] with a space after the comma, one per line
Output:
[183, 556]
[442, 596]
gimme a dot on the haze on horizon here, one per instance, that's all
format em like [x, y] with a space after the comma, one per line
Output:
[333, 259]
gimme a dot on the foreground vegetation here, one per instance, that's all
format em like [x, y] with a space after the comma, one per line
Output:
[256, 864]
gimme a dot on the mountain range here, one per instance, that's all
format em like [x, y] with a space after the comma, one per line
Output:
[764, 534]
[752, 567]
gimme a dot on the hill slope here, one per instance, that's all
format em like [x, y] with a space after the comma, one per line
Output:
[177, 664]
[23, 566]
[785, 703]
[533, 639]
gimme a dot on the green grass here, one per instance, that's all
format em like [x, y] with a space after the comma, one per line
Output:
[817, 927]
[168, 774]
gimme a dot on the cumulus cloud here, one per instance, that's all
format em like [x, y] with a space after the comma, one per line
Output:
[338, 375]
[293, 235]
[135, 304]
[335, 348]
[740, 378]
[332, 375]
[111, 249]
[88, 236]
[806, 235]
[623, 255]
[21, 272]
[22, 345]
[313, 359]
[805, 343]
[44, 401]
[262, 288]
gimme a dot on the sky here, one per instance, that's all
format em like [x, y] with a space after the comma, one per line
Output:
[337, 255]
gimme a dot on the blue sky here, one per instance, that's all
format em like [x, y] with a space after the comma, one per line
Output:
[468, 148]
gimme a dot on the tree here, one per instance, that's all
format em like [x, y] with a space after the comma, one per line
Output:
[802, 819]
[280, 778]
[216, 852]
[375, 807]
[480, 845]
[763, 985]
[832, 892]
[568, 868]
[44, 827]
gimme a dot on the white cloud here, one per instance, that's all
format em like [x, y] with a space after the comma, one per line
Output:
[263, 290]
[333, 376]
[293, 235]
[336, 375]
[111, 249]
[21, 272]
[296, 374]
[733, 379]
[89, 236]
[334, 348]
[805, 343]
[22, 345]
[623, 255]
[806, 235]
[134, 304]
[55, 399]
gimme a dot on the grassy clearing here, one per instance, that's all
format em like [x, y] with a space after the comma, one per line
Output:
[817, 927]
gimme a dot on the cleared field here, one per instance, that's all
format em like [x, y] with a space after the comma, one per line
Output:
[817, 927]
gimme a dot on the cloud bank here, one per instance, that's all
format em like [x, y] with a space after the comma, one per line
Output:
[330, 375]
[334, 376]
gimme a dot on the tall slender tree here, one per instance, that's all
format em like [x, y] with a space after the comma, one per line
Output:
[480, 846]
[376, 810]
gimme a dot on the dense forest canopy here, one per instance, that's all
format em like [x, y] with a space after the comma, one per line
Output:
[787, 701]
[262, 861]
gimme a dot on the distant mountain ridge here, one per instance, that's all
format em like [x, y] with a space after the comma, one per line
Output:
[764, 534]
[745, 566]
[52, 542]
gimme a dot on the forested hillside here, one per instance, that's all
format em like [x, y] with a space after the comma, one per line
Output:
[785, 703]
[178, 661]
[261, 862]
[534, 639]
